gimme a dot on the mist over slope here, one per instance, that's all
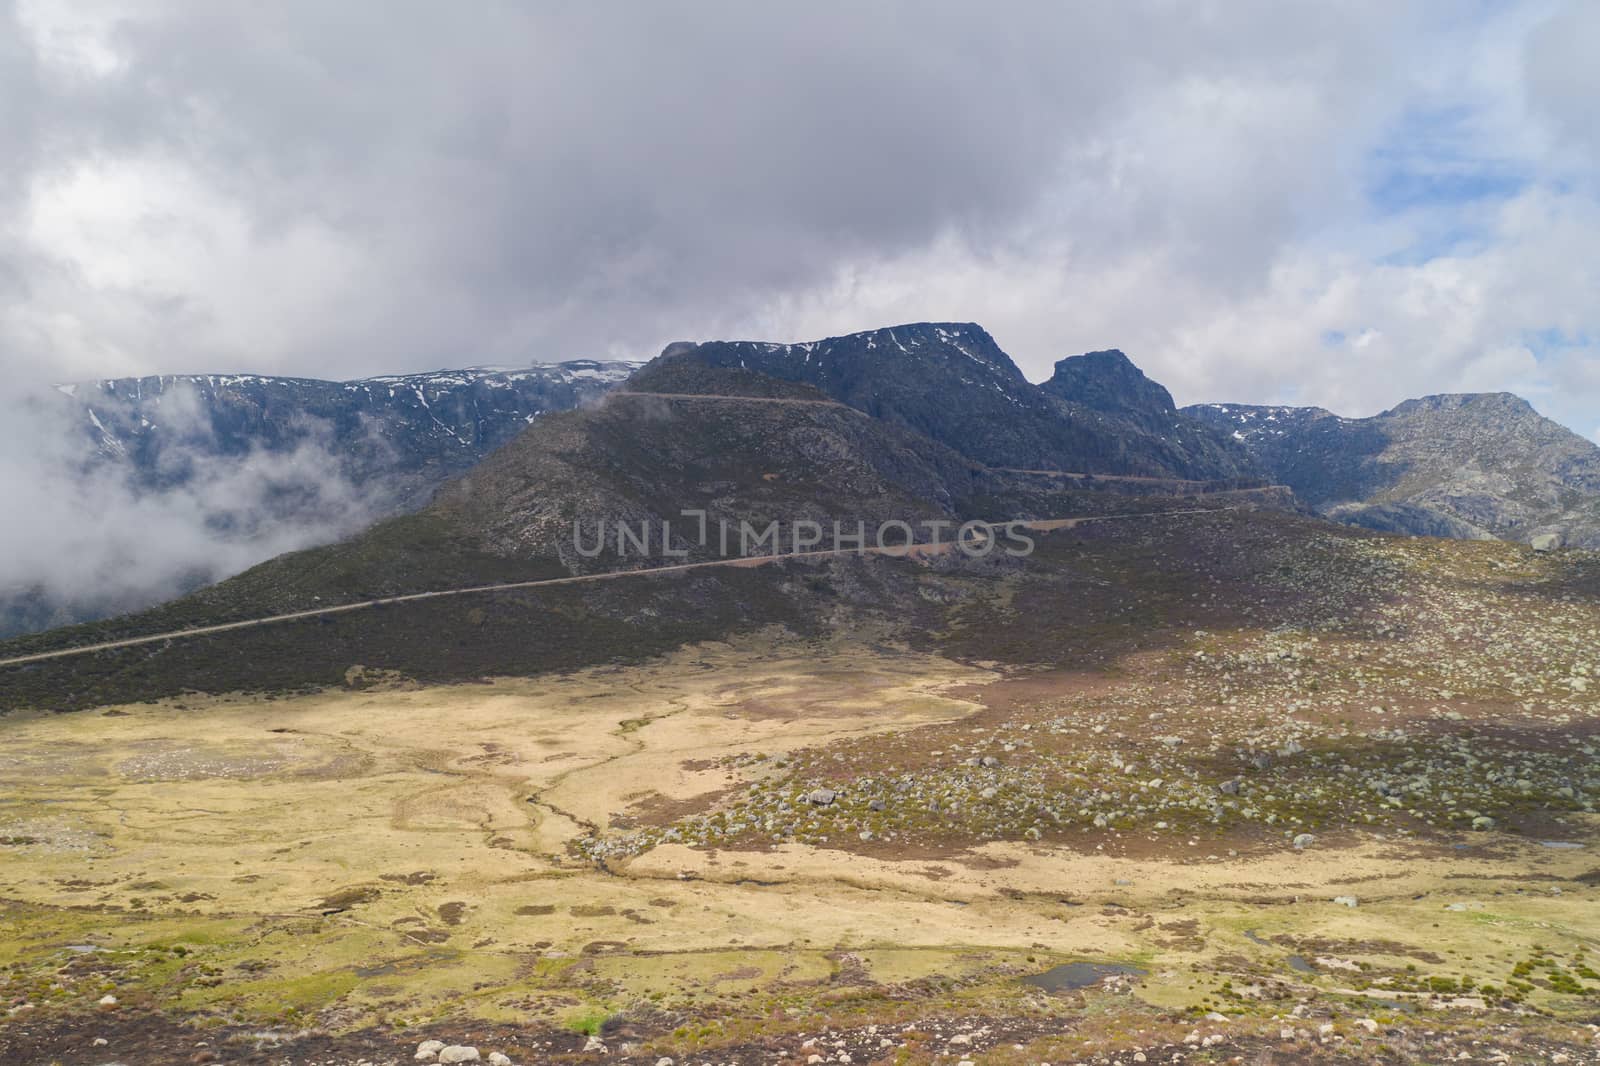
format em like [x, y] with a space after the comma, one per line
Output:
[126, 492]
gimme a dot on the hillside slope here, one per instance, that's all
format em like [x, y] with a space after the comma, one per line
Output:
[748, 451]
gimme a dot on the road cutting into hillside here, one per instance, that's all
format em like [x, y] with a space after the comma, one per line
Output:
[898, 551]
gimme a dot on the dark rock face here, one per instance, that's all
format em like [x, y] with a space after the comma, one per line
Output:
[951, 383]
[1140, 415]
[1108, 381]
[1456, 465]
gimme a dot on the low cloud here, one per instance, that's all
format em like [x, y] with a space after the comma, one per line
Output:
[88, 532]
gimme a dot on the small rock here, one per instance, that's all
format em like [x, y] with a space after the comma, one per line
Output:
[1346, 901]
[498, 1059]
[1304, 840]
[429, 1047]
[108, 1001]
[1483, 823]
[458, 1053]
[821, 797]
[594, 1043]
[664, 1061]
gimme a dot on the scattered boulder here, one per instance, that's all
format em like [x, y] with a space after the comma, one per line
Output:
[1304, 840]
[458, 1053]
[1546, 542]
[821, 797]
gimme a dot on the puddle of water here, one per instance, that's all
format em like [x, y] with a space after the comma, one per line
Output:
[1074, 975]
[1396, 1005]
[1559, 844]
[1298, 964]
[1250, 935]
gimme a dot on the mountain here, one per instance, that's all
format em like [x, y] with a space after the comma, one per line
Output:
[913, 374]
[259, 461]
[1138, 415]
[738, 449]
[406, 432]
[1472, 465]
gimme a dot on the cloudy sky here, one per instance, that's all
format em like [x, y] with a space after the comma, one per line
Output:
[1343, 204]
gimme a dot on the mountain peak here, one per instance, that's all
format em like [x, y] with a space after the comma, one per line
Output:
[1109, 381]
[1499, 402]
[951, 382]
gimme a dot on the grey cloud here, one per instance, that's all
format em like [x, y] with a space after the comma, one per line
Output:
[521, 180]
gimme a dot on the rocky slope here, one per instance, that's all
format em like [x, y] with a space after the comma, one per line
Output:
[951, 382]
[1458, 465]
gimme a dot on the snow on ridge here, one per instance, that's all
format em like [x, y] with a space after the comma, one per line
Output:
[584, 369]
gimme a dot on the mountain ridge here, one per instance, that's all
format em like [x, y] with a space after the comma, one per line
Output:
[1466, 465]
[909, 373]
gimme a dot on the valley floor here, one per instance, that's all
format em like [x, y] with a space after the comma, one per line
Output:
[1293, 840]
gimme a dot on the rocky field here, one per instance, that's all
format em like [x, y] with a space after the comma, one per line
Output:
[1222, 788]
